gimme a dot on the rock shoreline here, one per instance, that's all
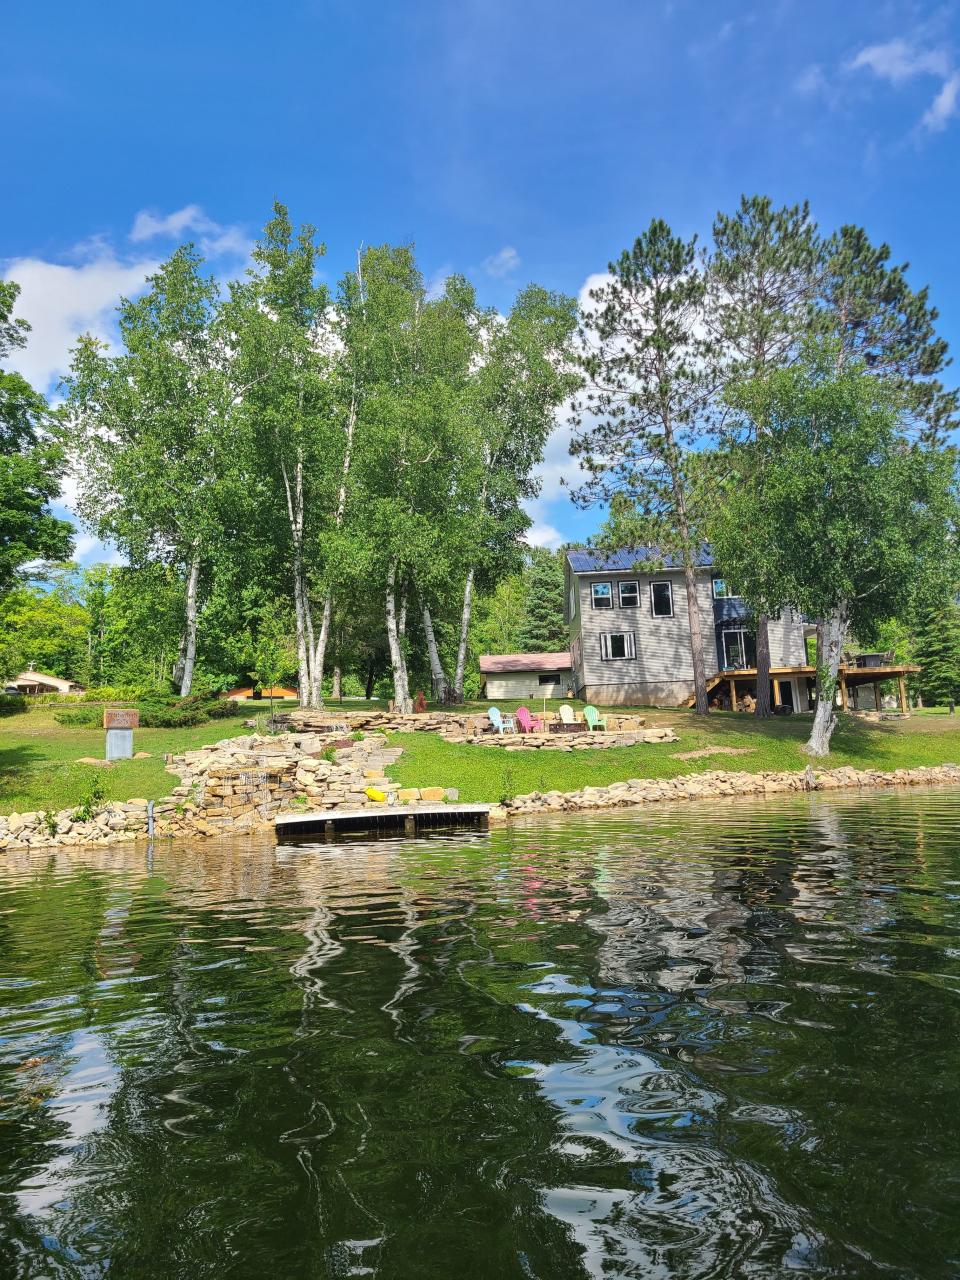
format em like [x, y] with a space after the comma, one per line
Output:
[715, 784]
[241, 784]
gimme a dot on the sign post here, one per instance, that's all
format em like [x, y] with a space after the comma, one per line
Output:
[120, 724]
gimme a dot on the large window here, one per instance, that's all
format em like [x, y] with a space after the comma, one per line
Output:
[739, 650]
[551, 677]
[617, 644]
[629, 595]
[601, 595]
[661, 599]
[723, 591]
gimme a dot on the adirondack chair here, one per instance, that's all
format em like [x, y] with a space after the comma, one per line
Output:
[567, 713]
[499, 722]
[594, 719]
[527, 722]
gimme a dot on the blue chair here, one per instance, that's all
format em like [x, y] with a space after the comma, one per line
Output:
[499, 722]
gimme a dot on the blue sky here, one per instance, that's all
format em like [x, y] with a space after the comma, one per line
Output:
[514, 140]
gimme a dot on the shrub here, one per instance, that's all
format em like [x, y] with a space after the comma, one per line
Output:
[12, 703]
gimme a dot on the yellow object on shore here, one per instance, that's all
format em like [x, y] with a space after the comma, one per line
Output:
[373, 794]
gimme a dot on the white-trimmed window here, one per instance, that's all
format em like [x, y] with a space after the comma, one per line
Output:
[574, 593]
[723, 591]
[629, 595]
[601, 595]
[661, 599]
[549, 677]
[617, 644]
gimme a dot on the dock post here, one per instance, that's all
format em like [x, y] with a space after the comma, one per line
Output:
[409, 825]
[328, 830]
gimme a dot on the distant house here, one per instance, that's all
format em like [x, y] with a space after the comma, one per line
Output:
[242, 695]
[526, 675]
[36, 682]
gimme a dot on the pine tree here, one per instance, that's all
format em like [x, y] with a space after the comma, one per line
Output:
[544, 630]
[937, 653]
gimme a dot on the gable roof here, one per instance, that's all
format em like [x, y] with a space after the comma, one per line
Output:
[630, 560]
[495, 663]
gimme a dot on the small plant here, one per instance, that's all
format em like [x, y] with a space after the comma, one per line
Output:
[299, 800]
[50, 822]
[91, 802]
[357, 735]
[329, 754]
[508, 785]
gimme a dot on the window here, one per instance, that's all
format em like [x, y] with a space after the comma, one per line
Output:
[573, 599]
[629, 595]
[617, 644]
[739, 650]
[550, 677]
[601, 593]
[722, 592]
[661, 599]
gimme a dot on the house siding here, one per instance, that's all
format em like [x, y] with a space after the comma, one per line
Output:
[661, 673]
[526, 684]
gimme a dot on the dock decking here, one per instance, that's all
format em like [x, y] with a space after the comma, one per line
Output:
[385, 819]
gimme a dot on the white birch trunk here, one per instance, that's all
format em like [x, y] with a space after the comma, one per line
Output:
[336, 688]
[438, 677]
[696, 638]
[190, 630]
[294, 495]
[401, 686]
[762, 708]
[831, 637]
[464, 632]
[320, 648]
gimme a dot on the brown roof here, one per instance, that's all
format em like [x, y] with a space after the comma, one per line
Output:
[491, 663]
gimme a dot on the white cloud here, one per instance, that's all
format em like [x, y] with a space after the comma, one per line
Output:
[544, 535]
[214, 239]
[63, 300]
[899, 61]
[502, 263]
[811, 80]
[944, 105]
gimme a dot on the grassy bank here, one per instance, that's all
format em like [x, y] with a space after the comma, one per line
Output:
[490, 774]
[39, 766]
[39, 769]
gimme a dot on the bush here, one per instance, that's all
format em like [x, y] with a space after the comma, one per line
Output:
[11, 703]
[157, 711]
[80, 717]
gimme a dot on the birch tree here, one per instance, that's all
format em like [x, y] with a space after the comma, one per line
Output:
[524, 371]
[852, 515]
[279, 332]
[651, 379]
[763, 273]
[147, 431]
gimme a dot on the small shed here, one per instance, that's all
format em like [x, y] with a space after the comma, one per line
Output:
[36, 682]
[526, 675]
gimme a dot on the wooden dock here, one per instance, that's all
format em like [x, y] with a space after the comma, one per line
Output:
[403, 819]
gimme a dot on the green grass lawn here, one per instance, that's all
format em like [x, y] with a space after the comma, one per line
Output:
[489, 774]
[38, 758]
[39, 769]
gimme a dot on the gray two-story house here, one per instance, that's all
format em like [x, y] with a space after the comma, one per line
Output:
[630, 632]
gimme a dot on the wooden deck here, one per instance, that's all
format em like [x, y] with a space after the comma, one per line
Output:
[850, 676]
[383, 819]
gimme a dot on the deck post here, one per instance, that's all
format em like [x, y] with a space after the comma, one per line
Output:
[733, 694]
[843, 692]
[902, 689]
[876, 695]
[776, 692]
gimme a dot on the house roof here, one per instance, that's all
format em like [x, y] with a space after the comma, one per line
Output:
[495, 663]
[627, 560]
[38, 677]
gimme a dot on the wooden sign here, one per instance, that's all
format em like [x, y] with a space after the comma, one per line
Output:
[121, 718]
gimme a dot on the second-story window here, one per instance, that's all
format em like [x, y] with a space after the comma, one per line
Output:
[629, 595]
[601, 593]
[661, 599]
[723, 591]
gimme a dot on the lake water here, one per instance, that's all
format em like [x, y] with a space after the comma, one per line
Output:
[715, 1041]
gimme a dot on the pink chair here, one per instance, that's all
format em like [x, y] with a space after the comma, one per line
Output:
[527, 722]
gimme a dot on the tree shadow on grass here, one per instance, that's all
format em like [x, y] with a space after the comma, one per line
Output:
[16, 763]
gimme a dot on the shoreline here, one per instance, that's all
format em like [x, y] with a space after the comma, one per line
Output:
[124, 822]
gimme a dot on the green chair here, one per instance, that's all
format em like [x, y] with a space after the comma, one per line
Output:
[594, 719]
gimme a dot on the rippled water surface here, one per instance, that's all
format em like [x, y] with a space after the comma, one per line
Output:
[685, 1044]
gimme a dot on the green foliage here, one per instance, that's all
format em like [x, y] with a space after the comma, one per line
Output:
[12, 704]
[543, 629]
[92, 802]
[936, 649]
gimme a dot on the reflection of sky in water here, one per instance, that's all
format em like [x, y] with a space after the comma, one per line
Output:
[673, 1045]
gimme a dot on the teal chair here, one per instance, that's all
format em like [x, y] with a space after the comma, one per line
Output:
[594, 719]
